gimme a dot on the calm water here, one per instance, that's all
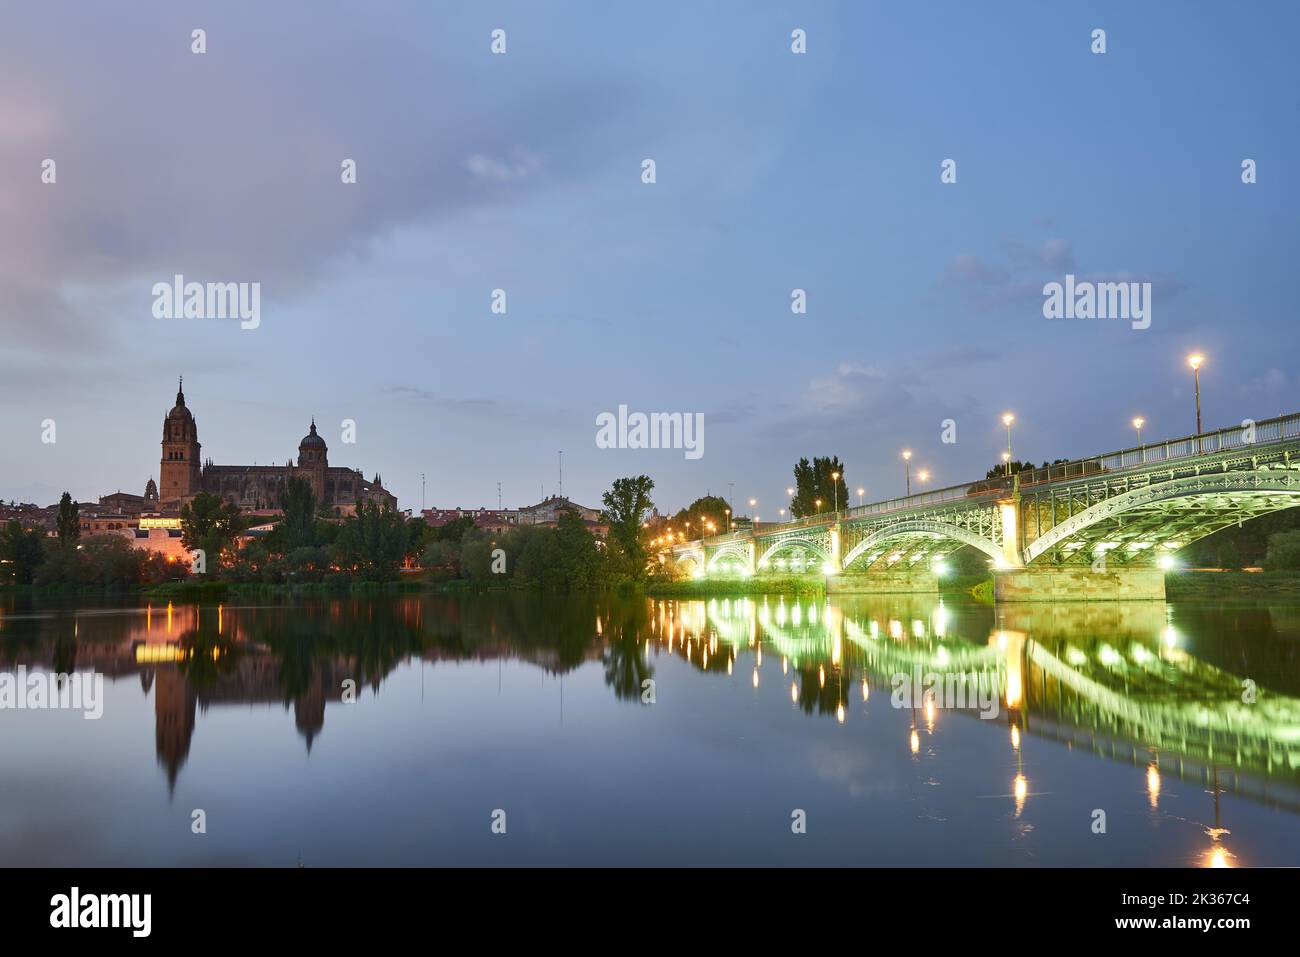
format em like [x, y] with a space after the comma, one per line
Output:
[760, 708]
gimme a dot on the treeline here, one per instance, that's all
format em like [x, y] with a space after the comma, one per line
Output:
[373, 545]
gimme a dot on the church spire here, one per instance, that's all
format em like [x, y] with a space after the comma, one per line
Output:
[180, 391]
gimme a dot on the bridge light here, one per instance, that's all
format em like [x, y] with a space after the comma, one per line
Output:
[940, 567]
[1166, 562]
[828, 568]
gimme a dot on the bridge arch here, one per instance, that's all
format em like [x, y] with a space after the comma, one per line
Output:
[919, 528]
[1173, 513]
[791, 543]
[734, 551]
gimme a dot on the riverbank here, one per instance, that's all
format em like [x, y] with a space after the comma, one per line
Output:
[1226, 585]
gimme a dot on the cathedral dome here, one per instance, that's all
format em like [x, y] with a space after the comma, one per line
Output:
[179, 424]
[311, 440]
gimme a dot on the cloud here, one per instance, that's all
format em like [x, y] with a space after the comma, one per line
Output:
[522, 165]
[227, 165]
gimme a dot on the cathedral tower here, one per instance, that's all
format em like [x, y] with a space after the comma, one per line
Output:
[179, 471]
[313, 458]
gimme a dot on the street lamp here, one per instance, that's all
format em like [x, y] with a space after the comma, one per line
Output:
[1006, 459]
[1138, 422]
[782, 513]
[907, 469]
[818, 503]
[728, 511]
[1195, 360]
[861, 492]
[835, 484]
[753, 519]
[923, 475]
[1007, 419]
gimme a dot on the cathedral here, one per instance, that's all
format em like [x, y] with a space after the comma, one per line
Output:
[255, 487]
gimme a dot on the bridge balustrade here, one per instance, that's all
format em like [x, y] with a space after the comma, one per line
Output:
[1266, 431]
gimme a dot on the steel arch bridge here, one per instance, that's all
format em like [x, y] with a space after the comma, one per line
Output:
[1129, 509]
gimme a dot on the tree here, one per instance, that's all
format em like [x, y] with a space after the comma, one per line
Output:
[373, 541]
[21, 552]
[627, 504]
[813, 482]
[298, 527]
[209, 523]
[69, 522]
[1283, 552]
[701, 512]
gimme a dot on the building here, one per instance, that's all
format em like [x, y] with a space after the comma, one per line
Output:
[494, 520]
[255, 487]
[547, 511]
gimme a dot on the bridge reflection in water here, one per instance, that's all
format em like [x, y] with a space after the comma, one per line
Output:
[1116, 678]
[1166, 689]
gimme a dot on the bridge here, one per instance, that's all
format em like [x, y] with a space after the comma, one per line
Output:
[1101, 527]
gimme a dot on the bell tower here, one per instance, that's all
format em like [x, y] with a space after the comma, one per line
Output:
[178, 472]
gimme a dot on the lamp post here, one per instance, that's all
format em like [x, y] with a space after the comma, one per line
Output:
[835, 484]
[818, 504]
[861, 492]
[907, 469]
[923, 475]
[753, 519]
[1138, 422]
[1195, 360]
[1006, 461]
[728, 511]
[1007, 419]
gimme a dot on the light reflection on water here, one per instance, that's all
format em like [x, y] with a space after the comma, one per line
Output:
[634, 731]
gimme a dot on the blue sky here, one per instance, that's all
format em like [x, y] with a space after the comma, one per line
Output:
[522, 172]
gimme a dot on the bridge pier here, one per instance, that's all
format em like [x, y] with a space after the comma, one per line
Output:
[1078, 583]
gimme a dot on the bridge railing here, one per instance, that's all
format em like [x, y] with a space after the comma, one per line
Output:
[1266, 431]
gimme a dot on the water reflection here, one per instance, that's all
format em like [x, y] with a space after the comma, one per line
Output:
[1156, 687]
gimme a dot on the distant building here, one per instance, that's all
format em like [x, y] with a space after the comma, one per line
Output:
[494, 520]
[256, 487]
[547, 511]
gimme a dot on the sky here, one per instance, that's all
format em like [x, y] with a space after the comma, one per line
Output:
[522, 171]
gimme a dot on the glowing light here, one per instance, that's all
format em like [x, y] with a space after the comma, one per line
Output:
[1021, 788]
[821, 676]
[839, 714]
[1219, 858]
[1153, 784]
[1166, 562]
[915, 741]
[755, 678]
[1195, 360]
[794, 692]
[1015, 738]
[1008, 418]
[940, 567]
[866, 691]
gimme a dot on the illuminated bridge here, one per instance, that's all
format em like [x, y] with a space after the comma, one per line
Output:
[1102, 527]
